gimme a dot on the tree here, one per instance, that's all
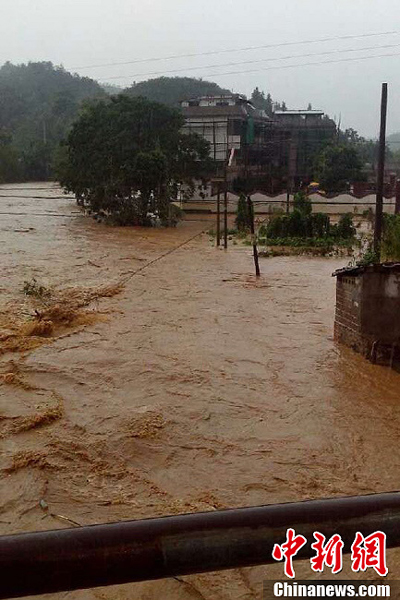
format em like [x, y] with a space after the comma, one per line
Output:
[242, 214]
[9, 166]
[336, 166]
[368, 149]
[126, 157]
[262, 101]
[302, 203]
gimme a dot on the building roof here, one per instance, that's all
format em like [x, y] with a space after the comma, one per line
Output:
[315, 113]
[221, 97]
[238, 110]
[360, 269]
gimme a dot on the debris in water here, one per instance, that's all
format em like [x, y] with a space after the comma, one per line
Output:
[24, 459]
[43, 504]
[147, 425]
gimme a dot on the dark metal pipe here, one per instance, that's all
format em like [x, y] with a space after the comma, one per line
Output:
[101, 555]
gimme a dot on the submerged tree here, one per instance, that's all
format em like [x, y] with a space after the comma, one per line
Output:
[126, 157]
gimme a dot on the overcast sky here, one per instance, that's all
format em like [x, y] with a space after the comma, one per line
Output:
[78, 33]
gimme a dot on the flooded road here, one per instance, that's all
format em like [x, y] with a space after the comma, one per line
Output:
[196, 388]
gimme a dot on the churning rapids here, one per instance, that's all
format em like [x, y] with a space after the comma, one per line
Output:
[190, 387]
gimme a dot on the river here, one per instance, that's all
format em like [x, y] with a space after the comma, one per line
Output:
[195, 388]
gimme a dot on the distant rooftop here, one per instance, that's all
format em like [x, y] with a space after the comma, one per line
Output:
[222, 96]
[298, 113]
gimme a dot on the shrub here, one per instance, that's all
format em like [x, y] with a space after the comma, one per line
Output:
[33, 288]
[242, 215]
[391, 237]
[320, 225]
[302, 203]
[345, 228]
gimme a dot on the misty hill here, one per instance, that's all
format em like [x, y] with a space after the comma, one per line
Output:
[38, 103]
[393, 141]
[171, 90]
[112, 90]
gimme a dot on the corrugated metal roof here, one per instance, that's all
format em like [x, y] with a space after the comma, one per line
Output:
[360, 269]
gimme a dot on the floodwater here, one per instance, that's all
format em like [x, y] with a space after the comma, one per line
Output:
[196, 388]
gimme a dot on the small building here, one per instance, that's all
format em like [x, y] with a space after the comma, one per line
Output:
[368, 310]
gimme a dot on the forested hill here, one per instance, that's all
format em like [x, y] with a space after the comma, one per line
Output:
[171, 90]
[38, 103]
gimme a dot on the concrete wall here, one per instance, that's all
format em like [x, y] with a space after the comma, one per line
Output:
[342, 204]
[380, 316]
[368, 308]
[346, 203]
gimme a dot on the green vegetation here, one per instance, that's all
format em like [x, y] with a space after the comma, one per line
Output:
[391, 238]
[336, 166]
[309, 242]
[242, 220]
[368, 258]
[264, 101]
[303, 228]
[38, 103]
[33, 288]
[172, 90]
[125, 158]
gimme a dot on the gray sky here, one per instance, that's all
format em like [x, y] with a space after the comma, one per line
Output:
[85, 32]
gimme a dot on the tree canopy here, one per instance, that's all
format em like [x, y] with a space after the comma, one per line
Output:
[336, 166]
[126, 157]
[38, 103]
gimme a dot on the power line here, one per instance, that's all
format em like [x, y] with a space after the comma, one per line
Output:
[248, 62]
[245, 49]
[310, 64]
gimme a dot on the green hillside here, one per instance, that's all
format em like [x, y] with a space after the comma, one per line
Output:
[171, 90]
[38, 103]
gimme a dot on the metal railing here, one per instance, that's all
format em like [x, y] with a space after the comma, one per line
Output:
[132, 551]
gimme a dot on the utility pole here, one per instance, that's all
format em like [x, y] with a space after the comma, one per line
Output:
[226, 188]
[381, 174]
[250, 208]
[214, 142]
[219, 214]
[226, 204]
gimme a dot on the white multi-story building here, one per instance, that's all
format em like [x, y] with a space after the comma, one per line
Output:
[226, 122]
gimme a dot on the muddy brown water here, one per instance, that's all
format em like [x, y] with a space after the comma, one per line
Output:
[198, 388]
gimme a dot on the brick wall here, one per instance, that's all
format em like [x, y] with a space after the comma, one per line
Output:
[348, 324]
